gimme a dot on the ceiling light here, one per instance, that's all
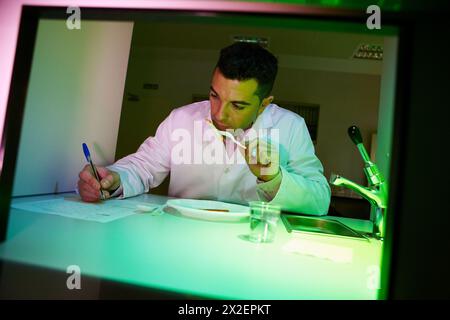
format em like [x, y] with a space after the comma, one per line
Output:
[263, 42]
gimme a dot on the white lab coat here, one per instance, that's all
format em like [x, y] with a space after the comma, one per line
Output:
[303, 187]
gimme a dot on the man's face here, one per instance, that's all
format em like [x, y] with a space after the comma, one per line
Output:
[234, 103]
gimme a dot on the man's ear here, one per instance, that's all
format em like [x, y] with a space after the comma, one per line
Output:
[265, 103]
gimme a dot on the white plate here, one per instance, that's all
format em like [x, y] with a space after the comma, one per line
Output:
[197, 209]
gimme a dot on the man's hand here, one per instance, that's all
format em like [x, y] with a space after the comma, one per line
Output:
[263, 159]
[89, 188]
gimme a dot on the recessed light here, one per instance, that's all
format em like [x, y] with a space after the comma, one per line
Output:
[263, 42]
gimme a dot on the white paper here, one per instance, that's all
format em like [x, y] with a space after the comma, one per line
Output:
[104, 211]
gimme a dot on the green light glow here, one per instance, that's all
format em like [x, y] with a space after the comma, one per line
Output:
[282, 23]
[387, 5]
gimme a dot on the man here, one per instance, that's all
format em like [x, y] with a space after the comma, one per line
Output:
[289, 175]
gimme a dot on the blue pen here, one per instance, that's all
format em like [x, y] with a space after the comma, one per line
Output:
[87, 154]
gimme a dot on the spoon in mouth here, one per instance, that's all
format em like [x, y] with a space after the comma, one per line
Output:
[225, 134]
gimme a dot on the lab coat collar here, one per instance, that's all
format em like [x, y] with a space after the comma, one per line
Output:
[264, 120]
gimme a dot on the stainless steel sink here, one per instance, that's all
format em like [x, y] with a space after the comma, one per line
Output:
[315, 225]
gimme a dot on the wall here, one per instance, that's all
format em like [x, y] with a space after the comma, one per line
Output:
[77, 78]
[387, 99]
[345, 99]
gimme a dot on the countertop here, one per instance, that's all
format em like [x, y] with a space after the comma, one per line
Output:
[201, 258]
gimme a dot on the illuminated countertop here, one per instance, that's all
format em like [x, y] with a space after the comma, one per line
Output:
[193, 257]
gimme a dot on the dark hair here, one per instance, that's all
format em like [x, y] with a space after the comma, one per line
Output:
[245, 61]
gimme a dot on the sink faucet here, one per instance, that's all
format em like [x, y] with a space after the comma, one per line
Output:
[377, 191]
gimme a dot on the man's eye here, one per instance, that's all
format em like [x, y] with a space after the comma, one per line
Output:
[237, 107]
[212, 95]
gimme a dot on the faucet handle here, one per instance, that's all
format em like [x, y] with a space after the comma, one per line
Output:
[355, 134]
[333, 177]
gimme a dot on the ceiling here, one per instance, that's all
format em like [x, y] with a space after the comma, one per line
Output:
[282, 41]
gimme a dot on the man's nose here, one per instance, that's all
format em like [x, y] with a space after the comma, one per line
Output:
[221, 113]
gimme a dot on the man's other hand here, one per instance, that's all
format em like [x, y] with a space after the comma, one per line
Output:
[89, 188]
[262, 158]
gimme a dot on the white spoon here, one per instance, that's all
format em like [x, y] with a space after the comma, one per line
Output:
[229, 135]
[225, 134]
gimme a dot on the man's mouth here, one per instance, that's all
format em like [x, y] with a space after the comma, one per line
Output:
[220, 126]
